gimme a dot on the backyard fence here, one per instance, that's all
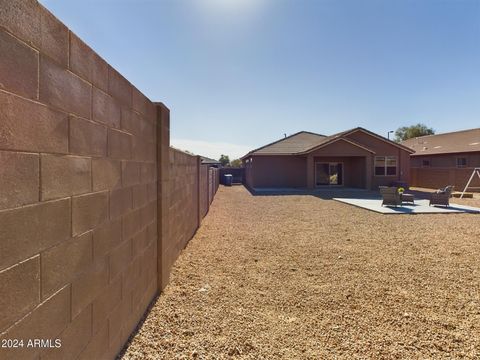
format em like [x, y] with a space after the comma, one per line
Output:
[440, 177]
[189, 186]
[94, 204]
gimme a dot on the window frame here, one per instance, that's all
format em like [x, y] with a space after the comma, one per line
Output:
[461, 166]
[385, 166]
[426, 166]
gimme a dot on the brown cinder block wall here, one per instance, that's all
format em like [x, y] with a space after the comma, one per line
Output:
[180, 195]
[189, 184]
[82, 227]
[203, 195]
[443, 171]
[213, 183]
[182, 205]
[78, 225]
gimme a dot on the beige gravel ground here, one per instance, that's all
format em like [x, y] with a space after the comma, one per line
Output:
[298, 277]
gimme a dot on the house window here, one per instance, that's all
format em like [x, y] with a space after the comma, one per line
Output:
[461, 162]
[385, 165]
[391, 165]
[379, 165]
[425, 163]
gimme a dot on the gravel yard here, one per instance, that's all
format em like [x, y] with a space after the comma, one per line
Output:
[299, 277]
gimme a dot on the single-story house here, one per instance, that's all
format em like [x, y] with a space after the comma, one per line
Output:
[445, 159]
[210, 162]
[355, 158]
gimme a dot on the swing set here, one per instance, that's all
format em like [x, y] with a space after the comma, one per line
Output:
[476, 171]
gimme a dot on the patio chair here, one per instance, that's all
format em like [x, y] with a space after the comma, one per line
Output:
[442, 196]
[390, 196]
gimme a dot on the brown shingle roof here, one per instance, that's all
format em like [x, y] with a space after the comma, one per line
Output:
[293, 144]
[453, 142]
[304, 141]
[206, 160]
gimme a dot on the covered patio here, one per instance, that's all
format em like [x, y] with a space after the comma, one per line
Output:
[340, 163]
[347, 171]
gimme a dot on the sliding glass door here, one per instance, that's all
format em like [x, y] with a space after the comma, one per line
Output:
[328, 174]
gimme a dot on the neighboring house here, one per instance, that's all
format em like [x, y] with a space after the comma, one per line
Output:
[210, 162]
[355, 158]
[445, 159]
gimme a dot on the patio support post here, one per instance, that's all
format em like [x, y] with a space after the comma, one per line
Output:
[310, 172]
[163, 176]
[368, 172]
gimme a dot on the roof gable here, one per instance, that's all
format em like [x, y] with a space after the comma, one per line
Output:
[339, 139]
[378, 137]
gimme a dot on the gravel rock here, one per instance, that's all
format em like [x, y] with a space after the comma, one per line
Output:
[301, 277]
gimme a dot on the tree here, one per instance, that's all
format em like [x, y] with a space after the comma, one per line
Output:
[408, 132]
[236, 163]
[224, 160]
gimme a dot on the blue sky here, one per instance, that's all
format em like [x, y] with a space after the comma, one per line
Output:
[237, 74]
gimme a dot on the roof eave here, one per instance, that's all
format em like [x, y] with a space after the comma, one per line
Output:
[446, 152]
[271, 154]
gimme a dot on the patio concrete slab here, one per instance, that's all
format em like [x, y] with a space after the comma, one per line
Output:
[330, 191]
[420, 207]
